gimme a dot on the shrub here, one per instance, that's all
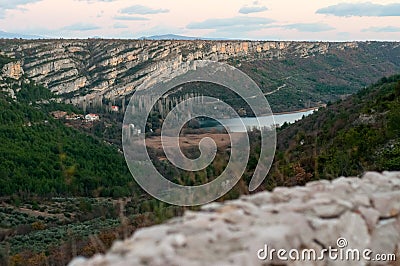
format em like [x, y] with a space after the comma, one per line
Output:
[38, 226]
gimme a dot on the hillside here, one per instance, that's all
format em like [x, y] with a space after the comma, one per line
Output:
[42, 156]
[294, 75]
[358, 134]
[58, 184]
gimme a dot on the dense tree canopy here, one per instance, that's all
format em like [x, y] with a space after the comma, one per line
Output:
[42, 156]
[358, 134]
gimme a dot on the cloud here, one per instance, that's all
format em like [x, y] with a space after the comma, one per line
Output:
[120, 26]
[12, 35]
[382, 29]
[94, 1]
[142, 10]
[81, 27]
[38, 31]
[13, 4]
[130, 18]
[366, 9]
[309, 27]
[7, 4]
[218, 23]
[252, 9]
[100, 14]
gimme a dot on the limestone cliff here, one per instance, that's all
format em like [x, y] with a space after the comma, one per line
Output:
[92, 69]
[13, 70]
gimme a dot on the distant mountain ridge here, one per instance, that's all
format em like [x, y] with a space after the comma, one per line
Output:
[10, 35]
[178, 37]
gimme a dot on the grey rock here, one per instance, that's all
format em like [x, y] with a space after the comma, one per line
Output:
[387, 203]
[370, 215]
[365, 212]
[386, 236]
[329, 210]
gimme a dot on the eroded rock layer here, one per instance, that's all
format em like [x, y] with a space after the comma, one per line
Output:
[94, 69]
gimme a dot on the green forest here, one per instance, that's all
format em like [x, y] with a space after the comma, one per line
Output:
[349, 137]
[42, 156]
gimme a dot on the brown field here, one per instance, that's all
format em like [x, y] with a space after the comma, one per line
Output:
[189, 141]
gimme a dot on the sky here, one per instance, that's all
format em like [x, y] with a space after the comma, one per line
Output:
[316, 20]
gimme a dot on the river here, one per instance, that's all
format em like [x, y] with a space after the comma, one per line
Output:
[234, 124]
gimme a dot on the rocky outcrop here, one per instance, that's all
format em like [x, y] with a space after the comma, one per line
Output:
[13, 70]
[93, 69]
[115, 68]
[344, 214]
[10, 78]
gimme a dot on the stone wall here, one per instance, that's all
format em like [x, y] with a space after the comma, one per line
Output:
[364, 211]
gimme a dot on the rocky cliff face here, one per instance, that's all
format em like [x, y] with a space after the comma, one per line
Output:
[92, 69]
[13, 70]
[344, 214]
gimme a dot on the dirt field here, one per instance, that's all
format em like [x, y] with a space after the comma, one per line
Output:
[189, 141]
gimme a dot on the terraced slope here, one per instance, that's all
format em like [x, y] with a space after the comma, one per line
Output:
[301, 73]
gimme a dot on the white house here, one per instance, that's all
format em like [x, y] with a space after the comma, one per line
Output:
[92, 117]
